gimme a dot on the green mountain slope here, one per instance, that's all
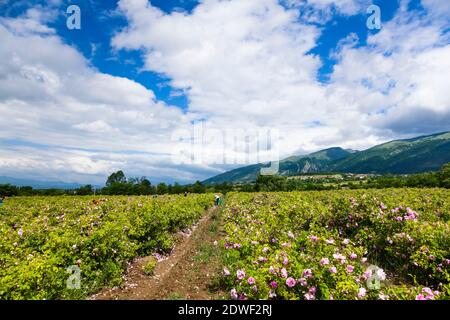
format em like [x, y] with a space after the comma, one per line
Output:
[416, 155]
[314, 162]
[421, 154]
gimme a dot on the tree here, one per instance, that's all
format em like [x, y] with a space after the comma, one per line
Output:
[271, 183]
[198, 187]
[162, 188]
[177, 189]
[116, 177]
[85, 191]
[444, 176]
[8, 190]
[26, 191]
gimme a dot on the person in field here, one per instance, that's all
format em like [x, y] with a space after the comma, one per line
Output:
[217, 200]
[1, 201]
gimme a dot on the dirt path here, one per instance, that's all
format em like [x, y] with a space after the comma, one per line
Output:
[189, 272]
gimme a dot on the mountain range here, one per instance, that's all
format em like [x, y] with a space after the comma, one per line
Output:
[38, 184]
[416, 155]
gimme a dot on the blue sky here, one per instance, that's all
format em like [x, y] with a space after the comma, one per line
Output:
[114, 94]
[100, 23]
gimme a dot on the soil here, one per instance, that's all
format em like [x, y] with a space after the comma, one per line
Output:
[190, 272]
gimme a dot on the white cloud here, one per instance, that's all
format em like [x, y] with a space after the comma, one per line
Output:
[400, 77]
[32, 22]
[244, 64]
[52, 99]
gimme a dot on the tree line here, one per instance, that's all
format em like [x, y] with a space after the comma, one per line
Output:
[118, 184]
[440, 179]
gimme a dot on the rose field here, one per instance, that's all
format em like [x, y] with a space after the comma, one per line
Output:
[390, 244]
[40, 237]
[379, 244]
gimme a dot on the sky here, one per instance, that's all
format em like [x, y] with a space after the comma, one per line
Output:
[181, 90]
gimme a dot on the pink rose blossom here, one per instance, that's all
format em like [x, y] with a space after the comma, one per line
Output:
[324, 261]
[262, 259]
[311, 295]
[333, 270]
[290, 282]
[303, 282]
[234, 294]
[367, 274]
[307, 273]
[420, 297]
[381, 274]
[340, 258]
[362, 292]
[284, 273]
[251, 280]
[350, 268]
[240, 274]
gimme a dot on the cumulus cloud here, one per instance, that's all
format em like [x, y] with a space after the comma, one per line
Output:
[50, 96]
[246, 64]
[243, 64]
[399, 79]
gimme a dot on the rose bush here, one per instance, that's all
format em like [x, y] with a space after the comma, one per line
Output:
[40, 237]
[362, 244]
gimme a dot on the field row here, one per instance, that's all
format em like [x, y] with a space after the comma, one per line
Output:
[48, 243]
[365, 244]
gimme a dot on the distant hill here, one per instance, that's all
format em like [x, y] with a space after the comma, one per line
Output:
[421, 154]
[38, 184]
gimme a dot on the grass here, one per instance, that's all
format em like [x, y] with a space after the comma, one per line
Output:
[205, 253]
[149, 267]
[175, 296]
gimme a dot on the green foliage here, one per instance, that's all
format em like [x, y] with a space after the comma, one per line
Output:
[150, 266]
[40, 237]
[277, 236]
[116, 177]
